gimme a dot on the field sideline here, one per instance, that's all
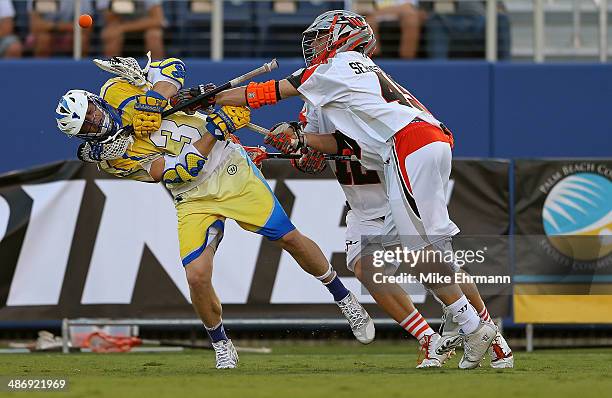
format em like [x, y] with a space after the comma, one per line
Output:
[312, 371]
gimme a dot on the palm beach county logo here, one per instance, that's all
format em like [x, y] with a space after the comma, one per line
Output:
[577, 212]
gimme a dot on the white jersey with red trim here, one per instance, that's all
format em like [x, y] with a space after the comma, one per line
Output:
[360, 99]
[363, 188]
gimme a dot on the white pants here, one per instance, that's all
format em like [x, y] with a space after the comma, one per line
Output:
[417, 184]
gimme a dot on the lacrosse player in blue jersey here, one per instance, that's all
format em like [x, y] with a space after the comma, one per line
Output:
[193, 154]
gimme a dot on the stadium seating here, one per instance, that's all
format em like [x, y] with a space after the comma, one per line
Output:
[195, 28]
[281, 24]
[273, 28]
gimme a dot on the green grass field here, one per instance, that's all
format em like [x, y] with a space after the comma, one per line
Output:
[381, 369]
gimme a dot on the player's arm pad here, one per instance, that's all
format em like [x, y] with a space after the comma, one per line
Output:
[259, 94]
[171, 70]
[185, 167]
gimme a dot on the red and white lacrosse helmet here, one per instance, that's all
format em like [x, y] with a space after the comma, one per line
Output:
[336, 31]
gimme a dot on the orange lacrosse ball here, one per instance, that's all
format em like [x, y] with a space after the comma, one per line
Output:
[85, 21]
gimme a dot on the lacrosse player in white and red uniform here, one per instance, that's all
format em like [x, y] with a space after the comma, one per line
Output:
[368, 205]
[381, 116]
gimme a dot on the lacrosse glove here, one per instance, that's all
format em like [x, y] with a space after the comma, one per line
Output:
[223, 122]
[186, 94]
[148, 116]
[286, 142]
[312, 162]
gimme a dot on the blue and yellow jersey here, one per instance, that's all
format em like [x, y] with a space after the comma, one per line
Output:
[176, 131]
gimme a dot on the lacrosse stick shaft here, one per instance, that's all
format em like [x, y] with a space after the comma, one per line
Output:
[278, 155]
[256, 350]
[257, 129]
[265, 68]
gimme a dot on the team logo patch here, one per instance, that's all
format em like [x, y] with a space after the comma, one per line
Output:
[232, 169]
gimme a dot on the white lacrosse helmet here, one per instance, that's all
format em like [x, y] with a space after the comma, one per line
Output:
[336, 31]
[82, 114]
[71, 111]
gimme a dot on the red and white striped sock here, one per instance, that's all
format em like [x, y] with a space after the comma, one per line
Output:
[484, 315]
[416, 325]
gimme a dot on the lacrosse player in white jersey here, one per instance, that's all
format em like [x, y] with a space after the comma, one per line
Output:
[368, 205]
[384, 118]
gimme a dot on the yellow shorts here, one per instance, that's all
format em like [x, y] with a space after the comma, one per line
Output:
[236, 190]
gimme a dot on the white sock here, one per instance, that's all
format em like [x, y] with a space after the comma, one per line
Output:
[465, 315]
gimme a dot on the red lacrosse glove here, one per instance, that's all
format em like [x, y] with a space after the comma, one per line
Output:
[312, 162]
[286, 137]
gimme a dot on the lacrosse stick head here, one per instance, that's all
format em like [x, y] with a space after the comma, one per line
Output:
[102, 342]
[82, 114]
[126, 68]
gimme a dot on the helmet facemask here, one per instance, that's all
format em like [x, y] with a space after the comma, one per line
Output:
[315, 46]
[100, 121]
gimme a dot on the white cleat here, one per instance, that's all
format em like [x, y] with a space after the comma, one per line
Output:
[428, 352]
[476, 344]
[447, 343]
[225, 354]
[501, 354]
[448, 327]
[361, 323]
[449, 330]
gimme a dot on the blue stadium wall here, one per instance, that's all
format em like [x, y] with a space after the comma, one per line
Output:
[494, 110]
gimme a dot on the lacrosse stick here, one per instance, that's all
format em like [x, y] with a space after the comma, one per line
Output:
[128, 68]
[265, 68]
[277, 155]
[103, 342]
[255, 350]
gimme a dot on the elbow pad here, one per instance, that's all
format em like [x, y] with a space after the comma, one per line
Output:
[185, 167]
[171, 70]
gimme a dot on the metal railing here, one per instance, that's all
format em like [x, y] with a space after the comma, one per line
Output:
[579, 12]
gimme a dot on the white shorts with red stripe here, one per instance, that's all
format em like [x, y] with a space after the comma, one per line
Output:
[417, 178]
[363, 238]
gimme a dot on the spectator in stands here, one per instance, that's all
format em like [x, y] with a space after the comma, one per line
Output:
[128, 16]
[10, 46]
[406, 12]
[52, 26]
[463, 21]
